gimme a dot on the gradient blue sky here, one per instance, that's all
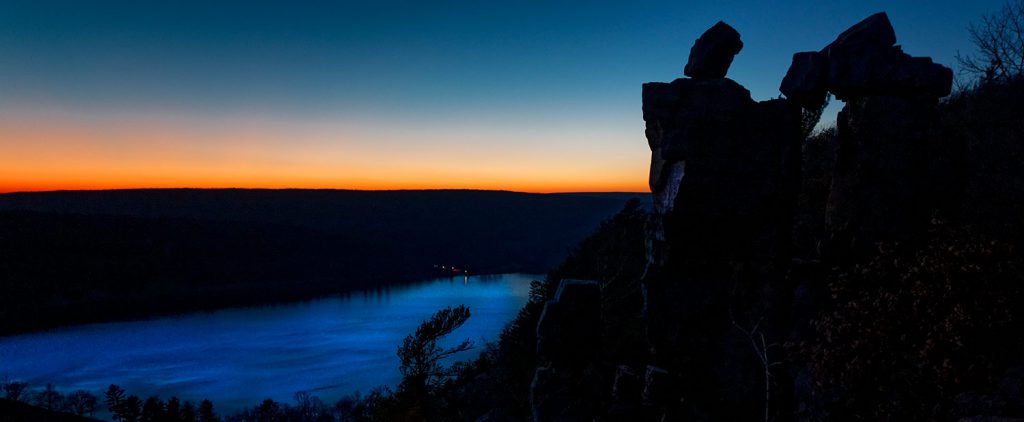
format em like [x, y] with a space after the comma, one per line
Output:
[381, 94]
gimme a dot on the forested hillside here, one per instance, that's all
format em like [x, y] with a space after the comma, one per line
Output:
[87, 256]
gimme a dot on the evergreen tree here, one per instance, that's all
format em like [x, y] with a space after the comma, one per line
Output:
[153, 410]
[421, 357]
[268, 411]
[131, 409]
[206, 412]
[173, 410]
[188, 412]
[114, 399]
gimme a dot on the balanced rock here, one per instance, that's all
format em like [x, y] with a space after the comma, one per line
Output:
[881, 185]
[860, 58]
[864, 60]
[875, 31]
[712, 53]
[806, 80]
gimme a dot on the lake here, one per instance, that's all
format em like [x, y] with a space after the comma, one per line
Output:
[237, 357]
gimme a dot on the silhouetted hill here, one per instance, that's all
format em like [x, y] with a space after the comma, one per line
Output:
[76, 256]
[14, 411]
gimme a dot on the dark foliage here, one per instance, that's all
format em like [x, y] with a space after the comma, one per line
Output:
[359, 408]
[114, 398]
[999, 38]
[912, 329]
[81, 403]
[497, 384]
[420, 357]
[914, 326]
[15, 390]
[15, 411]
[49, 398]
[818, 158]
[153, 410]
[206, 413]
[985, 127]
[78, 402]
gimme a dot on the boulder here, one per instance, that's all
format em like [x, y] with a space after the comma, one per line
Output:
[875, 31]
[864, 60]
[921, 76]
[858, 70]
[806, 80]
[890, 71]
[712, 53]
[684, 115]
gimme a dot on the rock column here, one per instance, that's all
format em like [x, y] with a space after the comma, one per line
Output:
[724, 176]
[881, 187]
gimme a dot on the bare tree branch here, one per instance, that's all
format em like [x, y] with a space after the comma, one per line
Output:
[999, 38]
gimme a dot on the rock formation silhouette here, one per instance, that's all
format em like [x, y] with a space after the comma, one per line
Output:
[712, 54]
[724, 176]
[885, 162]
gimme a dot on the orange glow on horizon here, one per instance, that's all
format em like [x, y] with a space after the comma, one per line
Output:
[380, 188]
[57, 153]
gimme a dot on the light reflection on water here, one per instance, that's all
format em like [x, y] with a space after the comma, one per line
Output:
[237, 357]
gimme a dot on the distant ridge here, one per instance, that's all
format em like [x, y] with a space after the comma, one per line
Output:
[282, 206]
[74, 256]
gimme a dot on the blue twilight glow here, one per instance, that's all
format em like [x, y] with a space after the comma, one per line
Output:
[545, 88]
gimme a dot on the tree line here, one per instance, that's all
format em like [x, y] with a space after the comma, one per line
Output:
[78, 402]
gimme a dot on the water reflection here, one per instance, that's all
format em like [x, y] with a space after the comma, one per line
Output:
[236, 357]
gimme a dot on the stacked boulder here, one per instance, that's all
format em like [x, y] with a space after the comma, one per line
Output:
[723, 167]
[724, 176]
[864, 61]
[885, 163]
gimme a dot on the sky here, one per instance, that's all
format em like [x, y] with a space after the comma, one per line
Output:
[526, 96]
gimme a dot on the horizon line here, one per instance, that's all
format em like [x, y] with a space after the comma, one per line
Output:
[315, 189]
